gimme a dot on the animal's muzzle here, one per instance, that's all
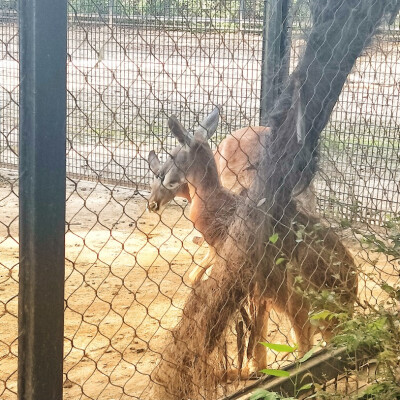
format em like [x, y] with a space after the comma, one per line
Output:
[153, 206]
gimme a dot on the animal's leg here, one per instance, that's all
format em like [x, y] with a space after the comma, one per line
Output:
[245, 317]
[257, 324]
[259, 352]
[240, 342]
[256, 352]
[197, 273]
[298, 312]
[244, 323]
[254, 301]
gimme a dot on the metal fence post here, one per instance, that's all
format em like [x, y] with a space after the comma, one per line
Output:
[275, 54]
[241, 14]
[110, 12]
[43, 42]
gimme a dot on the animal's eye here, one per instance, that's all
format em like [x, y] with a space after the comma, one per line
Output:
[172, 185]
[160, 177]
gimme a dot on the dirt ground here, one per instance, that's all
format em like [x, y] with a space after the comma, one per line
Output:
[126, 284]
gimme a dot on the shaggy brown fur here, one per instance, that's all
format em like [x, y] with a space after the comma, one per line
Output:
[212, 213]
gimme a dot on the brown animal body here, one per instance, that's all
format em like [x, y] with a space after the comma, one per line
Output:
[236, 160]
[238, 156]
[321, 264]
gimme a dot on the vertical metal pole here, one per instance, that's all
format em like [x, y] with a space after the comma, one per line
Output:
[43, 42]
[241, 14]
[110, 12]
[275, 54]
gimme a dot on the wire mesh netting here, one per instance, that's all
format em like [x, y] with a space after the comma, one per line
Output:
[129, 273]
[130, 67]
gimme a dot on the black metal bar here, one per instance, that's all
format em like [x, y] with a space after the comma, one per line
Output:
[43, 43]
[275, 54]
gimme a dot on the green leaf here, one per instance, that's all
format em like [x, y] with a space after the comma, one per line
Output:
[279, 347]
[274, 238]
[387, 288]
[391, 291]
[324, 314]
[279, 261]
[275, 372]
[305, 376]
[307, 386]
[309, 354]
[262, 394]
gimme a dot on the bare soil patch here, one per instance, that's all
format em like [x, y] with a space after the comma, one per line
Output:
[126, 283]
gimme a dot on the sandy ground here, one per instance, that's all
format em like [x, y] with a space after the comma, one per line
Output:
[126, 283]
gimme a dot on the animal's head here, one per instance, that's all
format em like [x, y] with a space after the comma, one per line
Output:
[171, 177]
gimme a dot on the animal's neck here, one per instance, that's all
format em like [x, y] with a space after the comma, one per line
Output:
[203, 178]
[205, 192]
[211, 211]
[208, 196]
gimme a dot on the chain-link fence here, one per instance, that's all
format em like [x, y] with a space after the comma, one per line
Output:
[132, 65]
[129, 273]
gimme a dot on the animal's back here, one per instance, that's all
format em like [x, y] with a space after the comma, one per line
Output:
[238, 156]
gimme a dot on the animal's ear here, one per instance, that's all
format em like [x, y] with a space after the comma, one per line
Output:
[179, 131]
[154, 162]
[209, 125]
